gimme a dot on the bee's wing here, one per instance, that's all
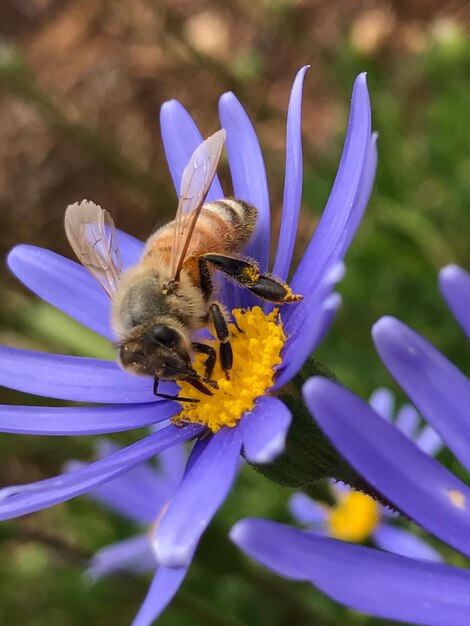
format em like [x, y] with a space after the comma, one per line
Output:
[195, 185]
[92, 235]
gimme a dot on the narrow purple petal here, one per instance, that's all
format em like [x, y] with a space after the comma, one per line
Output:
[180, 138]
[407, 421]
[204, 488]
[130, 555]
[95, 420]
[306, 511]
[346, 191]
[404, 542]
[73, 378]
[440, 392]
[165, 584]
[376, 582]
[264, 430]
[248, 172]
[128, 495]
[429, 441]
[64, 284]
[149, 480]
[362, 199]
[454, 283]
[21, 499]
[172, 462]
[383, 402]
[295, 315]
[391, 463]
[306, 339]
[292, 181]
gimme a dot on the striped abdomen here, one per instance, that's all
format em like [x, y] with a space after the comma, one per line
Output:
[224, 226]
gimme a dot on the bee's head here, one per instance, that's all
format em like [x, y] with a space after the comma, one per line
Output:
[160, 350]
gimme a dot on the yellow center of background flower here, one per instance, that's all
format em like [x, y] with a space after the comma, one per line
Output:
[256, 345]
[354, 518]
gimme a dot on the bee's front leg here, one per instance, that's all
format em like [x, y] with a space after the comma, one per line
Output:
[203, 348]
[166, 396]
[223, 335]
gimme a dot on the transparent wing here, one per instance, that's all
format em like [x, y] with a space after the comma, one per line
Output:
[195, 185]
[92, 235]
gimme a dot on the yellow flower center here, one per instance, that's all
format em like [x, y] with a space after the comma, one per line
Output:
[256, 345]
[354, 518]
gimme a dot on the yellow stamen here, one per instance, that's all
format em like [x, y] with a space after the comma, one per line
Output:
[354, 518]
[256, 355]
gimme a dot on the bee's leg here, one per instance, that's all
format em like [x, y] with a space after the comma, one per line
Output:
[205, 278]
[210, 361]
[246, 273]
[223, 335]
[274, 289]
[166, 396]
[199, 385]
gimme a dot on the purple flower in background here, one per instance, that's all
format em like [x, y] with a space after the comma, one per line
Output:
[278, 343]
[140, 495]
[383, 584]
[355, 516]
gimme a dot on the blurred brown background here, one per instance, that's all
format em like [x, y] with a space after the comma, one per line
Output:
[81, 83]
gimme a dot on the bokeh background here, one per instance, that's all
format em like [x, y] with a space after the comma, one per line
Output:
[81, 83]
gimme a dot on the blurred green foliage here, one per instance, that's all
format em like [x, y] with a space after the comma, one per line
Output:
[415, 224]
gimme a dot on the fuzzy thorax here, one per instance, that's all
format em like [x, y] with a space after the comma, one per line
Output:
[256, 345]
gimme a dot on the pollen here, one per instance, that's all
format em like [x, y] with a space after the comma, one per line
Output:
[354, 518]
[257, 341]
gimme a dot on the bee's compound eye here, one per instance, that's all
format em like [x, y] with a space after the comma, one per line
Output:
[165, 335]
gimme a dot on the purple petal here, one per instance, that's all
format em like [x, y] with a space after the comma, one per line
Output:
[172, 462]
[165, 584]
[295, 316]
[128, 495]
[204, 488]
[454, 283]
[407, 421]
[21, 499]
[149, 480]
[303, 342]
[345, 194]
[73, 378]
[383, 402]
[130, 555]
[376, 582]
[414, 482]
[264, 430]
[292, 181]
[429, 441]
[180, 138]
[440, 392]
[362, 199]
[95, 420]
[64, 284]
[248, 172]
[404, 542]
[306, 511]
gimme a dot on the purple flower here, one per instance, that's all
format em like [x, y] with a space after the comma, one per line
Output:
[280, 341]
[383, 584]
[140, 495]
[355, 516]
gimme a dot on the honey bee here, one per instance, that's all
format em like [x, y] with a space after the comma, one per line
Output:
[160, 303]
